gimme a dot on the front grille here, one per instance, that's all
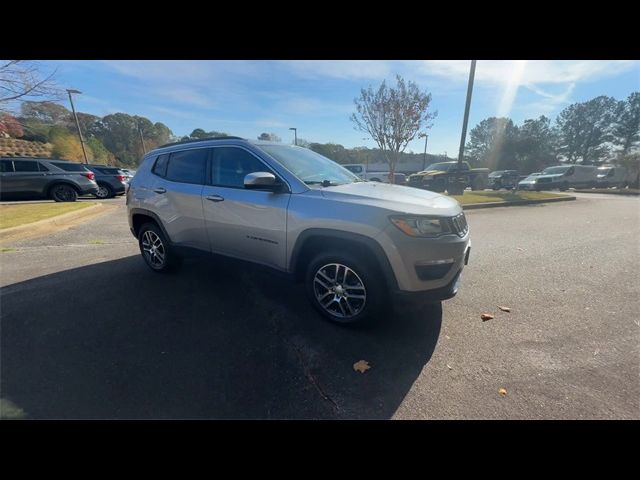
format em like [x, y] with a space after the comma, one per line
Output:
[415, 180]
[459, 225]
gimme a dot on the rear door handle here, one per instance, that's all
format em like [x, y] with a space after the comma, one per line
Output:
[160, 190]
[214, 198]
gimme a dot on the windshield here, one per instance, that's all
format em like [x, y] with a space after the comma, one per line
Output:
[555, 170]
[496, 173]
[309, 166]
[437, 166]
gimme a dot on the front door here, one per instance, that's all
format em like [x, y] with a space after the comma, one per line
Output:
[244, 223]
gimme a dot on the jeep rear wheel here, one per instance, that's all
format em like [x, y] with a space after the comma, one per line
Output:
[344, 288]
[155, 249]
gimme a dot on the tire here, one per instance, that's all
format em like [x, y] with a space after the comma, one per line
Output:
[362, 278]
[62, 192]
[156, 250]
[104, 191]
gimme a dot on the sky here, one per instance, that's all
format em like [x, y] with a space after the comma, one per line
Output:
[246, 98]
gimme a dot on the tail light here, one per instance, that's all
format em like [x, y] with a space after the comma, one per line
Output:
[121, 178]
[90, 175]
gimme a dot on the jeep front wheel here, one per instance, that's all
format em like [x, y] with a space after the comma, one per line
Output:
[344, 288]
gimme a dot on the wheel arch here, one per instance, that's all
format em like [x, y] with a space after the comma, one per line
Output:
[315, 240]
[140, 216]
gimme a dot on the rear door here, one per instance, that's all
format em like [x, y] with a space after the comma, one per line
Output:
[248, 224]
[32, 177]
[25, 179]
[176, 196]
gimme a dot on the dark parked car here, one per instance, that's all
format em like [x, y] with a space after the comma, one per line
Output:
[111, 180]
[504, 179]
[60, 180]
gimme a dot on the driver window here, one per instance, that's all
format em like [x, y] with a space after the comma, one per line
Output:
[570, 171]
[231, 164]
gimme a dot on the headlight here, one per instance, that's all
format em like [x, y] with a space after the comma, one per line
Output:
[422, 226]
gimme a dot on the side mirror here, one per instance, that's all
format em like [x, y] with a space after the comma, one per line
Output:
[260, 180]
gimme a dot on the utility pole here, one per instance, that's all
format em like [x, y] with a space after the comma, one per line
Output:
[144, 149]
[424, 160]
[73, 109]
[459, 188]
[295, 133]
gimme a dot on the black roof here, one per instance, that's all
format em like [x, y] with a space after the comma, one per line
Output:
[200, 140]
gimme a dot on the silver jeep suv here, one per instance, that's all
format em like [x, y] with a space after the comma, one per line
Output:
[353, 243]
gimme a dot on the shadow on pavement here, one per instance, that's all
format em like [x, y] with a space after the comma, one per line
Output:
[220, 339]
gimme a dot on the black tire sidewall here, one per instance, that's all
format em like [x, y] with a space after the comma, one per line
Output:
[374, 286]
[70, 188]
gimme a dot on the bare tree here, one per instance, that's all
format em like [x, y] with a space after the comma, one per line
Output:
[393, 117]
[22, 79]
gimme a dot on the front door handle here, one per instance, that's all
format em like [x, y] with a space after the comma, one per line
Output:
[214, 198]
[160, 190]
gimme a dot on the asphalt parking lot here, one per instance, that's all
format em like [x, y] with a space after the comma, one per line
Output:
[89, 332]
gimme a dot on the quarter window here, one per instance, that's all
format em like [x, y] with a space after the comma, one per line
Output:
[6, 166]
[160, 167]
[25, 166]
[187, 166]
[42, 167]
[231, 165]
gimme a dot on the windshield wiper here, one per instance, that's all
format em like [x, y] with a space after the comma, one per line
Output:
[324, 183]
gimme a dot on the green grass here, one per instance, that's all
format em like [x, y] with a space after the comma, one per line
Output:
[494, 197]
[14, 215]
[7, 249]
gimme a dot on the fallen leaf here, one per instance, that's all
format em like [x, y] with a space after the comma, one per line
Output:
[504, 309]
[485, 317]
[521, 249]
[503, 392]
[361, 366]
[449, 367]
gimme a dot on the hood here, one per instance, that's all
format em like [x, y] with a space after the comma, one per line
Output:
[430, 173]
[395, 198]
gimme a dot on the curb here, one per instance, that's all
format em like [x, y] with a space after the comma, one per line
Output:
[52, 224]
[612, 192]
[477, 206]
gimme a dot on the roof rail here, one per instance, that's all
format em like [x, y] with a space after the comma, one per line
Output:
[200, 140]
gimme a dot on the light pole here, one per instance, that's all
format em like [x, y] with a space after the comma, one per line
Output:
[295, 133]
[459, 188]
[144, 149]
[73, 109]
[424, 160]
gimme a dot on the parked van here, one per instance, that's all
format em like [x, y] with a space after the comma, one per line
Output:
[566, 176]
[612, 177]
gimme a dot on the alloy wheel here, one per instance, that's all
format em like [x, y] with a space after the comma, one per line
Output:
[339, 290]
[153, 249]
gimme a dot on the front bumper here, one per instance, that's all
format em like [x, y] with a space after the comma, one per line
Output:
[425, 264]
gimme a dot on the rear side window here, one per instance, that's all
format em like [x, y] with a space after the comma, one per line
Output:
[70, 167]
[42, 167]
[6, 166]
[160, 167]
[25, 166]
[187, 166]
